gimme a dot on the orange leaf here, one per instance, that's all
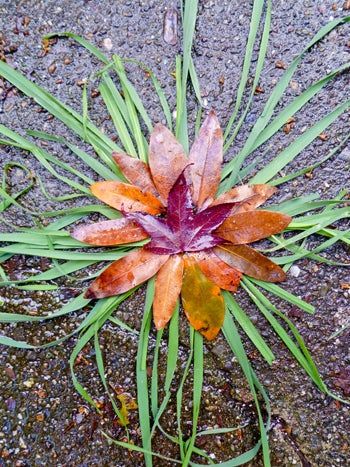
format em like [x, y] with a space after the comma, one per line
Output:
[249, 196]
[125, 197]
[202, 300]
[250, 226]
[108, 233]
[206, 157]
[217, 271]
[167, 290]
[250, 262]
[166, 159]
[126, 273]
[135, 171]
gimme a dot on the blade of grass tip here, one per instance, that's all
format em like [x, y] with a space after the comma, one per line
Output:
[197, 393]
[233, 167]
[285, 295]
[135, 123]
[258, 70]
[265, 306]
[304, 253]
[102, 374]
[133, 93]
[291, 205]
[107, 89]
[90, 47]
[195, 82]
[93, 163]
[234, 341]
[189, 22]
[189, 17]
[181, 129]
[198, 120]
[85, 110]
[249, 328]
[158, 88]
[301, 343]
[83, 210]
[294, 149]
[141, 375]
[154, 378]
[7, 203]
[78, 303]
[252, 36]
[45, 158]
[122, 325]
[344, 328]
[300, 252]
[296, 105]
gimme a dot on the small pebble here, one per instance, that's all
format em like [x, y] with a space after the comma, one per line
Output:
[294, 271]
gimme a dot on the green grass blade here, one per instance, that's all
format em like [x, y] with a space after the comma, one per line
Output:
[141, 376]
[253, 32]
[294, 149]
[108, 92]
[248, 327]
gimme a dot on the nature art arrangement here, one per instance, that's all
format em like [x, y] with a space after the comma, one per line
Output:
[181, 221]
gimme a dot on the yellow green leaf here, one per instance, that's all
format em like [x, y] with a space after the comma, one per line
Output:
[202, 300]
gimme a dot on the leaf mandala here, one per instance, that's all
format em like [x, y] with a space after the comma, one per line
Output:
[197, 242]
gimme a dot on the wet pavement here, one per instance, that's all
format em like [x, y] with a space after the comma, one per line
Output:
[43, 420]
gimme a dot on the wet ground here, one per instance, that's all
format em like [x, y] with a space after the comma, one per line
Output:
[43, 420]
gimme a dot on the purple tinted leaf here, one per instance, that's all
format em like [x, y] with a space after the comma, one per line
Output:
[203, 242]
[182, 229]
[163, 240]
[180, 206]
[199, 235]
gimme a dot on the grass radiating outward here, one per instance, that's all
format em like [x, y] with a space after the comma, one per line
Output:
[130, 118]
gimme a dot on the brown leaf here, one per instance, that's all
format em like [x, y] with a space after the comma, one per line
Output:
[206, 157]
[217, 271]
[249, 196]
[202, 300]
[126, 273]
[108, 233]
[135, 171]
[167, 290]
[166, 159]
[125, 197]
[250, 262]
[248, 227]
[280, 64]
[259, 90]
